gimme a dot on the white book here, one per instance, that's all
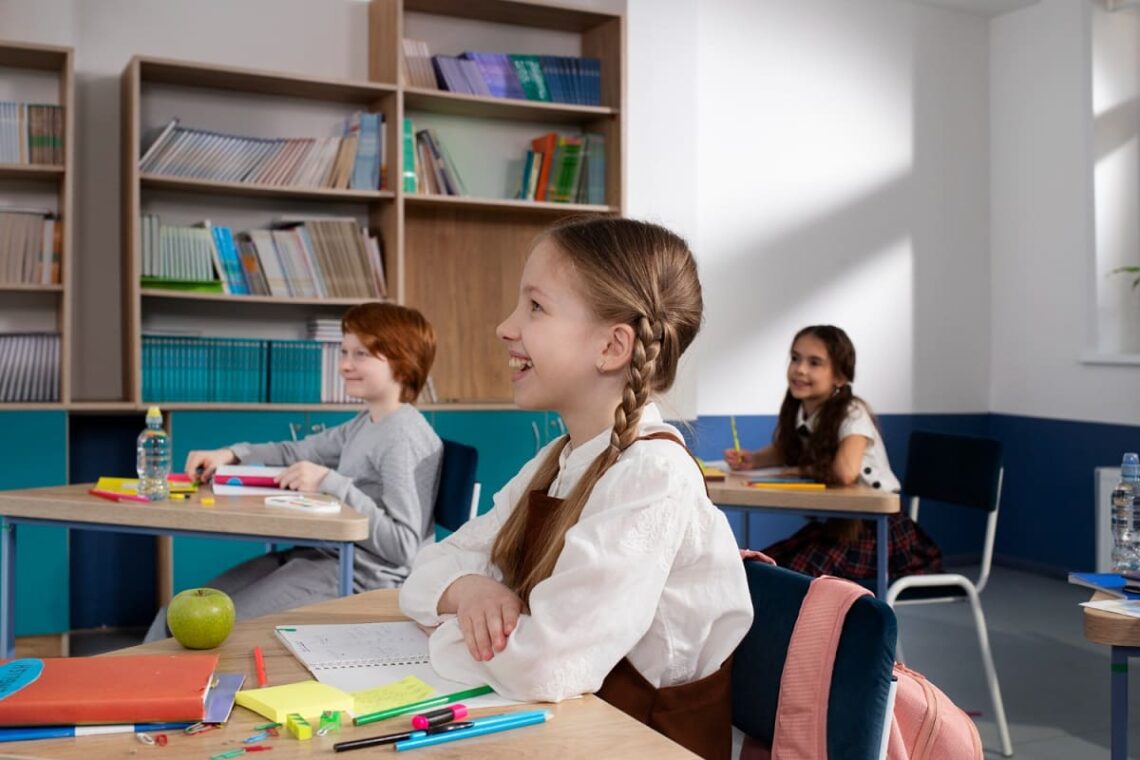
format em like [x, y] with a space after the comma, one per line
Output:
[247, 480]
[357, 656]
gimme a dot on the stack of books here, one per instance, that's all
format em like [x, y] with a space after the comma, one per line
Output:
[548, 78]
[31, 133]
[564, 169]
[328, 334]
[31, 241]
[302, 257]
[435, 169]
[353, 160]
[29, 367]
[181, 368]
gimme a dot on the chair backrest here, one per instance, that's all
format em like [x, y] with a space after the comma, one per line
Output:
[958, 469]
[453, 501]
[858, 701]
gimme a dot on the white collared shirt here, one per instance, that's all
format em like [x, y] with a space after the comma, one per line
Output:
[650, 571]
[875, 469]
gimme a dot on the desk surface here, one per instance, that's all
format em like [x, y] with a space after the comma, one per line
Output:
[238, 515]
[586, 727]
[1109, 628]
[734, 491]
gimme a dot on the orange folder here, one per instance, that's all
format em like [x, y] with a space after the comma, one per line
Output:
[126, 689]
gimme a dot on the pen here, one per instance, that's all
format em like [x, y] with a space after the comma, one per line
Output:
[259, 661]
[25, 733]
[735, 434]
[789, 486]
[362, 720]
[112, 496]
[374, 741]
[506, 723]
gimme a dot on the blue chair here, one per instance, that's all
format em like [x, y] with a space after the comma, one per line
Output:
[457, 500]
[964, 471]
[859, 702]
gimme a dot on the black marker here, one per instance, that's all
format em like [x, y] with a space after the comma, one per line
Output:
[373, 741]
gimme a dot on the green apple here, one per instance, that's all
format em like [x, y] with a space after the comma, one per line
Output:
[200, 618]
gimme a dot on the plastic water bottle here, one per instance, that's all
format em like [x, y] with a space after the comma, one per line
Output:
[154, 458]
[1124, 511]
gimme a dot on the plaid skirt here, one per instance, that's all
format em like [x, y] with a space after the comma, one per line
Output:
[826, 548]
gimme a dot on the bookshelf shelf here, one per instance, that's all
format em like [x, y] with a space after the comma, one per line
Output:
[230, 298]
[515, 12]
[460, 104]
[213, 187]
[207, 76]
[32, 171]
[24, 287]
[58, 298]
[537, 207]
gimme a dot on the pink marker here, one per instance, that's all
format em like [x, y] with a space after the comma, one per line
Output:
[439, 717]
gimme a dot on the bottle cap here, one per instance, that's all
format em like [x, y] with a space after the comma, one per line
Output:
[152, 412]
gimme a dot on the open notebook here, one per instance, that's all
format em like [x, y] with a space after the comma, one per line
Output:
[358, 656]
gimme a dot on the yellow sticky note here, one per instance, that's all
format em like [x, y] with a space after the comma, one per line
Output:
[402, 692]
[306, 698]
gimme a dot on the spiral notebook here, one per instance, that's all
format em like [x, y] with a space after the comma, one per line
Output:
[358, 656]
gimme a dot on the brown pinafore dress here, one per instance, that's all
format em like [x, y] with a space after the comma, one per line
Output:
[696, 715]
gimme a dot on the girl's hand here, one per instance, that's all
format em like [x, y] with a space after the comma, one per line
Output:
[747, 554]
[488, 612]
[738, 459]
[201, 465]
[302, 476]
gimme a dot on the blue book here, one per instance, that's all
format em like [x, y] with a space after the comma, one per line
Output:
[366, 167]
[1109, 583]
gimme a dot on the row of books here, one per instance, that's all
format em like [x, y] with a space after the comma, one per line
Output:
[29, 367]
[180, 368]
[435, 169]
[327, 332]
[564, 169]
[549, 78]
[31, 241]
[298, 258]
[353, 160]
[31, 133]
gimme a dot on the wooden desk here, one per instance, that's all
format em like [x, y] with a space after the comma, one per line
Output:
[586, 727]
[244, 518]
[858, 502]
[1122, 635]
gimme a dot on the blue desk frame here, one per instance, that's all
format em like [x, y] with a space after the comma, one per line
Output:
[1119, 680]
[882, 581]
[8, 559]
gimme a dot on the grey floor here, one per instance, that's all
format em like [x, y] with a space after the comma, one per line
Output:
[1055, 683]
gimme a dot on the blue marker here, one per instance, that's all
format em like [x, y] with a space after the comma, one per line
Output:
[26, 733]
[482, 727]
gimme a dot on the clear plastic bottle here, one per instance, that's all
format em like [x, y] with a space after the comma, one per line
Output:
[154, 458]
[1124, 527]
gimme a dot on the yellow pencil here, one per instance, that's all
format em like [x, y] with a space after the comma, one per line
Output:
[790, 486]
[735, 435]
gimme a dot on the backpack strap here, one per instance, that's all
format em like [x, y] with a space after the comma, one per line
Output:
[801, 712]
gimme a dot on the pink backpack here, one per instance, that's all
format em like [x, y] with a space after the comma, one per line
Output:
[925, 723]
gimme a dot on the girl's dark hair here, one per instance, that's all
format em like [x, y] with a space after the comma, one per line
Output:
[816, 453]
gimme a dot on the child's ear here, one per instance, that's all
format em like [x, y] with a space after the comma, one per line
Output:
[618, 348]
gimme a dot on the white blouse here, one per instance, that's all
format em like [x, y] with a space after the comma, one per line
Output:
[875, 469]
[650, 571]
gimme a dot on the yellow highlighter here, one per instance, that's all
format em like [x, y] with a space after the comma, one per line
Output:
[787, 486]
[735, 434]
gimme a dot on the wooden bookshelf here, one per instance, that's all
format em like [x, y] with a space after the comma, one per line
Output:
[59, 61]
[144, 72]
[460, 258]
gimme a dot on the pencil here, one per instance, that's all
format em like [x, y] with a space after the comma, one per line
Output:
[735, 435]
[789, 486]
[259, 662]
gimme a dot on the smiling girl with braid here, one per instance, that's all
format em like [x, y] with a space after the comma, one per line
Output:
[603, 566]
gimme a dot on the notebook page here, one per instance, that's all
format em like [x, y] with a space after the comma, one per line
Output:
[356, 645]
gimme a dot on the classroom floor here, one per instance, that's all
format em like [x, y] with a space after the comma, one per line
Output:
[1055, 683]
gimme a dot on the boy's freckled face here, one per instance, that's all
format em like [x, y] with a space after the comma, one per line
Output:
[551, 334]
[366, 377]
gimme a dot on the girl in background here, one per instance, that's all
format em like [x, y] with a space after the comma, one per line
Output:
[829, 434]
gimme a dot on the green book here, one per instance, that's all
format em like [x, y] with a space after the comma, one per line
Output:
[409, 157]
[196, 286]
[529, 71]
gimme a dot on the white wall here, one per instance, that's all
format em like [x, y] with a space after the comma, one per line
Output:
[842, 178]
[1042, 233]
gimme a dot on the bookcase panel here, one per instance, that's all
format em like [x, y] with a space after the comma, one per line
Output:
[463, 269]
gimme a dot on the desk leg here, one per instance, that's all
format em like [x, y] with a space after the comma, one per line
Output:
[8, 588]
[1120, 703]
[882, 553]
[747, 529]
[347, 552]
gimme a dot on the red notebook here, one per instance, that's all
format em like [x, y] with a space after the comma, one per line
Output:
[126, 689]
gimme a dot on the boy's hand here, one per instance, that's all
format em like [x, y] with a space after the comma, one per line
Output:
[302, 476]
[200, 465]
[487, 611]
[738, 459]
